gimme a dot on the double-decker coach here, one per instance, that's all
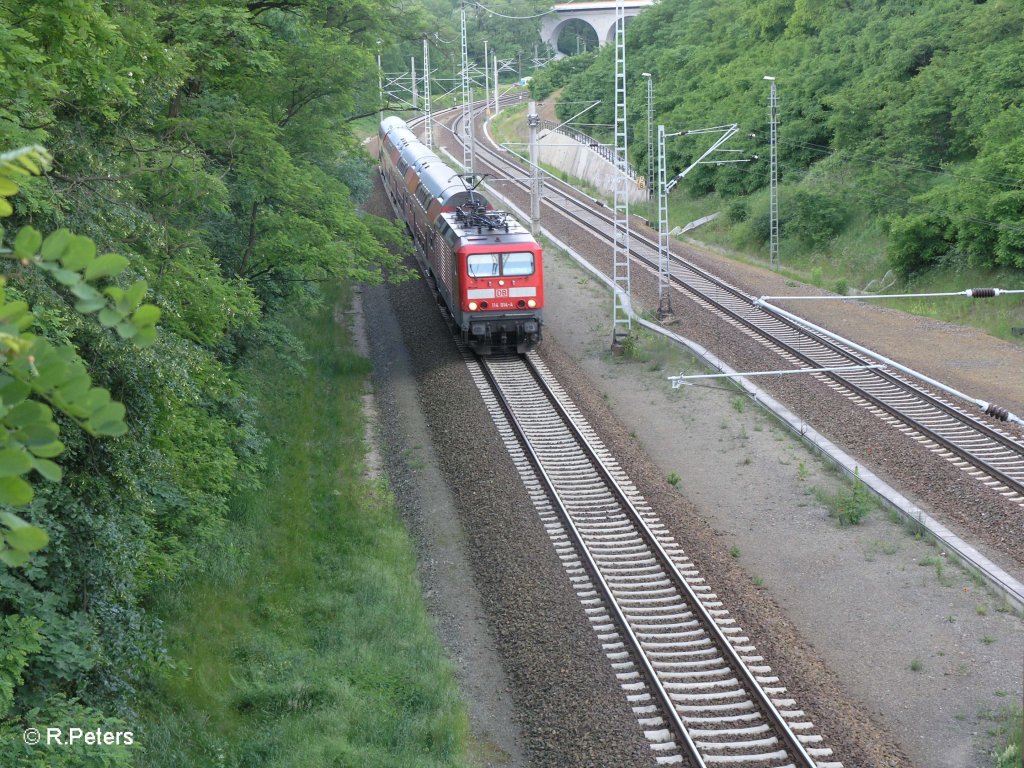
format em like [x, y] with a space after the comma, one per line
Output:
[487, 268]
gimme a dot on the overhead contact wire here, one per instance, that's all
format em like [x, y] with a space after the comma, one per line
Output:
[504, 16]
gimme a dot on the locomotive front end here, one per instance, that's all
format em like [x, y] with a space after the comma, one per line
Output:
[502, 299]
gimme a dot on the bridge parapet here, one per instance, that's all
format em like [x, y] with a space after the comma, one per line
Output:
[599, 14]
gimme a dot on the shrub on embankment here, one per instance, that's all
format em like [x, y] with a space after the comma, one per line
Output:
[208, 144]
[900, 127]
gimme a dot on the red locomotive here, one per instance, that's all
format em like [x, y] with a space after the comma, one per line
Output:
[488, 269]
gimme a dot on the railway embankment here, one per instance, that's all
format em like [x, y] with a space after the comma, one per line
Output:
[305, 640]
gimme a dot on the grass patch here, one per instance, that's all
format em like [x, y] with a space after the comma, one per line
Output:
[305, 641]
[1007, 731]
[848, 505]
[996, 316]
[854, 260]
[509, 127]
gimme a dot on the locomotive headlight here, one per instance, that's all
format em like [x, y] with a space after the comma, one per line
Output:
[531, 303]
[501, 282]
[472, 306]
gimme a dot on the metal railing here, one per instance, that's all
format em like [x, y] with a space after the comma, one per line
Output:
[606, 151]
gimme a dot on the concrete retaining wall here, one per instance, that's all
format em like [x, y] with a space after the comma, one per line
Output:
[576, 159]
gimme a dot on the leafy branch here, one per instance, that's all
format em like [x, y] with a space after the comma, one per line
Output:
[37, 376]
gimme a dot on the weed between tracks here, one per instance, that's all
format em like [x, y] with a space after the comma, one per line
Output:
[1007, 730]
[848, 505]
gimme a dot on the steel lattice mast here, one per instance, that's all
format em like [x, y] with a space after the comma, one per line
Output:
[650, 133]
[773, 179]
[621, 320]
[380, 90]
[487, 81]
[664, 289]
[412, 80]
[428, 128]
[467, 102]
[495, 58]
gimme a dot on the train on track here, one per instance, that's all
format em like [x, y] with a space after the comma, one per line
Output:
[488, 269]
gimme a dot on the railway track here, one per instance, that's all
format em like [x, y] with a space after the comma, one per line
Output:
[988, 454]
[695, 682]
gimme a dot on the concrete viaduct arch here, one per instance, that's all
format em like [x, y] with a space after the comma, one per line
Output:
[599, 14]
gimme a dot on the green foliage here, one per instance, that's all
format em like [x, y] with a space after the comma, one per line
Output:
[208, 145]
[919, 242]
[813, 217]
[850, 504]
[557, 73]
[19, 639]
[738, 211]
[502, 24]
[904, 112]
[60, 711]
[53, 374]
[1011, 735]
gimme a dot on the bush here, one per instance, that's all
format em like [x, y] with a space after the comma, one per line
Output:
[919, 242]
[1009, 249]
[759, 227]
[814, 218]
[557, 73]
[737, 211]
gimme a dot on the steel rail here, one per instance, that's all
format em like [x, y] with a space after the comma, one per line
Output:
[768, 710]
[665, 701]
[723, 644]
[926, 398]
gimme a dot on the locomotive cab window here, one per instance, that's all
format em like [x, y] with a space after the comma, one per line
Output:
[483, 265]
[499, 264]
[517, 264]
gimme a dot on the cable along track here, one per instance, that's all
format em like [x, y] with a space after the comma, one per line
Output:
[987, 453]
[695, 682]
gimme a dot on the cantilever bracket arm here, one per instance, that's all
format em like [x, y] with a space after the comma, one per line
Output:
[727, 133]
[585, 109]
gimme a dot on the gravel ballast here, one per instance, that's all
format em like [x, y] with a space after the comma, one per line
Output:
[567, 705]
[882, 646]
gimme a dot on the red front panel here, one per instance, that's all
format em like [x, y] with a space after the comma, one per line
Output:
[501, 278]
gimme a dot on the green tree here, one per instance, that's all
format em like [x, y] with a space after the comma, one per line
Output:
[37, 375]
